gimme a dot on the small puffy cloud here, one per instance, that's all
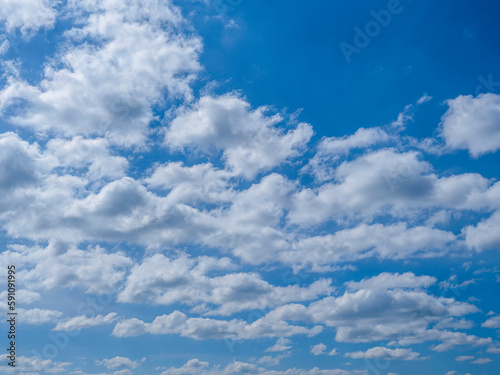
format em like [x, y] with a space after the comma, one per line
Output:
[333, 352]
[82, 322]
[119, 362]
[385, 353]
[283, 344]
[492, 322]
[249, 139]
[482, 361]
[463, 358]
[473, 124]
[192, 367]
[484, 235]
[318, 349]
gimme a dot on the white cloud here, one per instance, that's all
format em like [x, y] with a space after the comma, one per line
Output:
[388, 280]
[90, 154]
[318, 349]
[37, 316]
[249, 139]
[197, 367]
[23, 296]
[386, 182]
[331, 149]
[394, 241]
[133, 45]
[484, 235]
[192, 367]
[164, 281]
[463, 358]
[424, 99]
[492, 322]
[283, 344]
[18, 162]
[118, 361]
[82, 322]
[473, 124]
[28, 15]
[367, 315]
[333, 352]
[385, 353]
[272, 361]
[198, 183]
[482, 361]
[35, 365]
[62, 265]
[178, 323]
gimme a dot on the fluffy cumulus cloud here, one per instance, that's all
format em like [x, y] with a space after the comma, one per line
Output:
[395, 241]
[79, 94]
[190, 212]
[35, 365]
[331, 149]
[177, 323]
[59, 264]
[120, 362]
[397, 313]
[283, 344]
[18, 162]
[83, 322]
[492, 322]
[473, 124]
[159, 280]
[27, 15]
[389, 182]
[385, 353]
[393, 280]
[484, 236]
[318, 349]
[249, 139]
[91, 156]
[197, 367]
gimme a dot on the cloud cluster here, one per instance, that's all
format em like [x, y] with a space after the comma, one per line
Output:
[27, 15]
[164, 281]
[138, 45]
[197, 367]
[119, 149]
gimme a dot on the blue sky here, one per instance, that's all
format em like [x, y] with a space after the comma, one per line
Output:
[218, 187]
